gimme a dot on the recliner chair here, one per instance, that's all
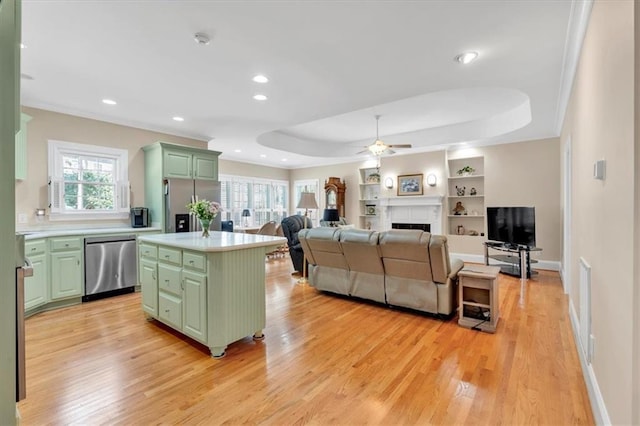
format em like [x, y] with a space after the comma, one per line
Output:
[291, 225]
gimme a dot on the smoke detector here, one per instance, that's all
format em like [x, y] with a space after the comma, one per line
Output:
[201, 38]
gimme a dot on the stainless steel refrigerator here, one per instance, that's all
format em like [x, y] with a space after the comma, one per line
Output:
[180, 192]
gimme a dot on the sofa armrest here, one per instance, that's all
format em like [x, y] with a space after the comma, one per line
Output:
[456, 266]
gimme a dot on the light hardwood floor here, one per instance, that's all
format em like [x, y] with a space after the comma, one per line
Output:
[325, 360]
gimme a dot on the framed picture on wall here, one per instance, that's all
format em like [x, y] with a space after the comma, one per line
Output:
[410, 184]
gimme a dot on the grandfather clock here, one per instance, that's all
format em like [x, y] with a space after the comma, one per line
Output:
[334, 194]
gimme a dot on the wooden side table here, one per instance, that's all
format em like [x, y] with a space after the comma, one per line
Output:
[478, 297]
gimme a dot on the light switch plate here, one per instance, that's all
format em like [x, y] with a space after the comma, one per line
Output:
[598, 169]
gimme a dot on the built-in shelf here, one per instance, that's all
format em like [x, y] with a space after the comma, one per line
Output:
[459, 198]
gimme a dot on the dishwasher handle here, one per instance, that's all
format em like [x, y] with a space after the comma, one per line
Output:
[110, 239]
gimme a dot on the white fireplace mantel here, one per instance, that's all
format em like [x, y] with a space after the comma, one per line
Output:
[413, 209]
[415, 200]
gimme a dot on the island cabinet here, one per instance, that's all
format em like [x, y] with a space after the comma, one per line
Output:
[210, 289]
[148, 277]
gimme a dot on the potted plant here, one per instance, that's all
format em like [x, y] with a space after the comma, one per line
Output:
[466, 171]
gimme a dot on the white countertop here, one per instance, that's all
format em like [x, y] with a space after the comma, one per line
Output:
[218, 241]
[62, 232]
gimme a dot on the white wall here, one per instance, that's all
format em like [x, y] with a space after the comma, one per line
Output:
[600, 123]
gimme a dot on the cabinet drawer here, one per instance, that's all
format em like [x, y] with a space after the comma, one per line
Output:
[170, 255]
[65, 243]
[148, 251]
[170, 310]
[476, 282]
[34, 247]
[194, 261]
[169, 279]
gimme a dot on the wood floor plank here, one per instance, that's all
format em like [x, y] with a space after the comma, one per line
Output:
[325, 360]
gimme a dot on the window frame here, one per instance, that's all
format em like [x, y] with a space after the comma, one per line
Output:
[56, 150]
[270, 212]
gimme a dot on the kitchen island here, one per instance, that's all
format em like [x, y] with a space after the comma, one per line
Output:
[210, 289]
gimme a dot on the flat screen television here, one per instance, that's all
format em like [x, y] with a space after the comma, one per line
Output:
[515, 226]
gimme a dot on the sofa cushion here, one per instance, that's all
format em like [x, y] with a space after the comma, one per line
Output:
[362, 254]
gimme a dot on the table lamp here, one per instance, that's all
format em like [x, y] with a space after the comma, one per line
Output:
[307, 201]
[245, 214]
[332, 216]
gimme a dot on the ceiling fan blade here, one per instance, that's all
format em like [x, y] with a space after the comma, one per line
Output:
[365, 151]
[405, 145]
[389, 151]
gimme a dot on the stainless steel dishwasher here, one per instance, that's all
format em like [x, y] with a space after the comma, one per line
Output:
[109, 266]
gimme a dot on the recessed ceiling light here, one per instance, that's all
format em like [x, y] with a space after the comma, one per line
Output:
[237, 150]
[260, 79]
[201, 38]
[178, 118]
[23, 46]
[284, 159]
[263, 155]
[260, 97]
[109, 101]
[466, 57]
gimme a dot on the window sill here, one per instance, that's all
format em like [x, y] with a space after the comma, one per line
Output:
[87, 216]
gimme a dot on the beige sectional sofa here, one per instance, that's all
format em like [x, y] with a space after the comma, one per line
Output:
[406, 268]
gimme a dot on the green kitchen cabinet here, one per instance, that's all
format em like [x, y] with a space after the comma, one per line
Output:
[188, 165]
[66, 267]
[194, 299]
[36, 287]
[177, 164]
[205, 166]
[164, 161]
[149, 286]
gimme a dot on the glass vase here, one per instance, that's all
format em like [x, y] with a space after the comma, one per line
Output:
[205, 223]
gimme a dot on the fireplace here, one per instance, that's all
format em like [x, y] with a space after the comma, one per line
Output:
[421, 226]
[417, 212]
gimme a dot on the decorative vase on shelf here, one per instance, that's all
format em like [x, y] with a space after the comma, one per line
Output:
[205, 223]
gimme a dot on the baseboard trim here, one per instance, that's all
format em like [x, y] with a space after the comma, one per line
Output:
[549, 265]
[598, 407]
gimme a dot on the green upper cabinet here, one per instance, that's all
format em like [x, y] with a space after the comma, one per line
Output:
[189, 165]
[170, 161]
[21, 148]
[177, 164]
[205, 166]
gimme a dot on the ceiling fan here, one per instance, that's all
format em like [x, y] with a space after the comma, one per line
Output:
[378, 147]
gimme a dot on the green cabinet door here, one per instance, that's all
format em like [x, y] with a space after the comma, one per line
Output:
[66, 274]
[205, 167]
[177, 164]
[149, 286]
[194, 299]
[36, 286]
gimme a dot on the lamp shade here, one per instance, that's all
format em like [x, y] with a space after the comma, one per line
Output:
[307, 201]
[246, 213]
[331, 215]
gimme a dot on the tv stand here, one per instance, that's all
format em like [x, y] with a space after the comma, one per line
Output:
[512, 264]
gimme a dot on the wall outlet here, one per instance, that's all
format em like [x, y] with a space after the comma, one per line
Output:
[22, 218]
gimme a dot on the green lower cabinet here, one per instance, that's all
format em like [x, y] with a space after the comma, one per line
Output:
[194, 297]
[36, 287]
[149, 286]
[170, 309]
[66, 274]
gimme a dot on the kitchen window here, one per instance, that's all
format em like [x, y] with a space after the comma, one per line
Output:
[87, 182]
